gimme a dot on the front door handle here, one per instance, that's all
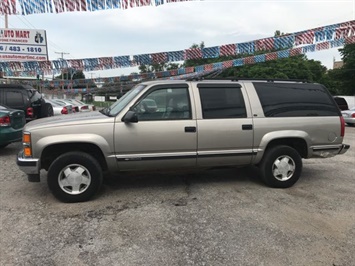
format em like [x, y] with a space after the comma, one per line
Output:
[190, 129]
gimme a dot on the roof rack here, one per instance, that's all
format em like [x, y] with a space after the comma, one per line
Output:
[210, 75]
[257, 79]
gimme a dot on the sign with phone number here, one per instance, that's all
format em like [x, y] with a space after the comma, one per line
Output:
[23, 45]
[23, 49]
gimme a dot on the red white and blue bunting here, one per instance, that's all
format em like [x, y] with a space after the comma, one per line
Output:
[312, 40]
[29, 7]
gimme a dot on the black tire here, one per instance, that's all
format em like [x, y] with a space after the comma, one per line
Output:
[351, 124]
[288, 172]
[85, 174]
[46, 110]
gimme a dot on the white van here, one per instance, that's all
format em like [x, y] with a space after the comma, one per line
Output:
[349, 99]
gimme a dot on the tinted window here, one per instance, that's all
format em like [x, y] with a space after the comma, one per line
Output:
[341, 102]
[293, 99]
[219, 101]
[14, 99]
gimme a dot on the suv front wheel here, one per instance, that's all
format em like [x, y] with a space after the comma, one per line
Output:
[281, 167]
[74, 177]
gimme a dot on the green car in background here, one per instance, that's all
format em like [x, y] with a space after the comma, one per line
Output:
[11, 124]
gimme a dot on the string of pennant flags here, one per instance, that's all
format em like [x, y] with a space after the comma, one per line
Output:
[312, 40]
[29, 7]
[316, 39]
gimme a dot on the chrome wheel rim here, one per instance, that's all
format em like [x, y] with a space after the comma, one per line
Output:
[74, 179]
[283, 168]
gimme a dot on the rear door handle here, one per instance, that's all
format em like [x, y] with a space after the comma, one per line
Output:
[190, 129]
[247, 127]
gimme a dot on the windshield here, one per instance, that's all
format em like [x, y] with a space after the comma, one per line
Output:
[121, 103]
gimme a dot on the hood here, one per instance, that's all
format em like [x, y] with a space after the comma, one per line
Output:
[69, 120]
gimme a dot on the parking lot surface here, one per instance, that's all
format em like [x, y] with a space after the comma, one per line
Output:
[216, 217]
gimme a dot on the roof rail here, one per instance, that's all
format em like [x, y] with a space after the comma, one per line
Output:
[258, 79]
[209, 75]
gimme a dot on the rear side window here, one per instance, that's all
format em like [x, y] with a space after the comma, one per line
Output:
[294, 99]
[14, 99]
[34, 95]
[221, 101]
[341, 102]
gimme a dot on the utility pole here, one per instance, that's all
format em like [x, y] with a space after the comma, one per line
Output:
[6, 21]
[6, 27]
[62, 57]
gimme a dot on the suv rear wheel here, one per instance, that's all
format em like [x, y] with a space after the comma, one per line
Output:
[281, 167]
[74, 177]
[46, 110]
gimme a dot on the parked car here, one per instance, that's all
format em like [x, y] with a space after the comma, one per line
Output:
[60, 108]
[341, 102]
[75, 107]
[349, 116]
[350, 100]
[11, 125]
[80, 103]
[78, 107]
[166, 124]
[25, 98]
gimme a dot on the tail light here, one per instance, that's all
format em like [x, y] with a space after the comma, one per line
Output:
[94, 108]
[353, 115]
[342, 126]
[5, 121]
[64, 111]
[29, 112]
[85, 107]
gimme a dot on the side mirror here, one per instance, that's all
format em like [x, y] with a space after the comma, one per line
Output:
[130, 117]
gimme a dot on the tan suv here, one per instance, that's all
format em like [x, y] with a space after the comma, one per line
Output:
[179, 124]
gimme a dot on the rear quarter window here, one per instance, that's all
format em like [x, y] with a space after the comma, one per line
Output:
[295, 99]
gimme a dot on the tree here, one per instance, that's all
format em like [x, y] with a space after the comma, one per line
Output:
[71, 73]
[297, 67]
[347, 71]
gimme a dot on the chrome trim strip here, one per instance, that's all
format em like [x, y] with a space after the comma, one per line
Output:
[185, 155]
[326, 147]
[226, 152]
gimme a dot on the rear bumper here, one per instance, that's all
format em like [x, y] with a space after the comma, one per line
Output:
[349, 120]
[10, 135]
[29, 166]
[327, 151]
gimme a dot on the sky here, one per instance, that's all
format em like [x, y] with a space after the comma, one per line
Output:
[176, 26]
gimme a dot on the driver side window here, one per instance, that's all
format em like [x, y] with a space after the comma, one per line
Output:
[164, 104]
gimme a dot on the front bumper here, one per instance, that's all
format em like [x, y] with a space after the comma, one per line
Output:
[30, 166]
[329, 150]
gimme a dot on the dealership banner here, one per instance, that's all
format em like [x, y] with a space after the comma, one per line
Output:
[23, 45]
